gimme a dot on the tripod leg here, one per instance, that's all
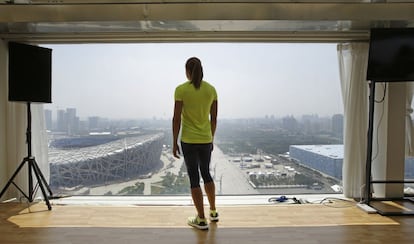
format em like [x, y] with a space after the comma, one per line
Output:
[36, 166]
[30, 178]
[41, 184]
[32, 166]
[12, 178]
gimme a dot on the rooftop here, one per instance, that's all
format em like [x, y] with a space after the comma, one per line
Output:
[331, 151]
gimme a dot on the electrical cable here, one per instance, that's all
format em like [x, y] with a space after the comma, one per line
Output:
[379, 122]
[384, 93]
[334, 200]
[328, 201]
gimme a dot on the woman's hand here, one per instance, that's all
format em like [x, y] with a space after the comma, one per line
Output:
[176, 150]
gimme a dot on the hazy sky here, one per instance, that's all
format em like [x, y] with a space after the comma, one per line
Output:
[252, 80]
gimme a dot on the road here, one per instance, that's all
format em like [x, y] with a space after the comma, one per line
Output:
[228, 177]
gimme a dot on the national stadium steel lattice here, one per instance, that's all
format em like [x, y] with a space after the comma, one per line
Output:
[118, 160]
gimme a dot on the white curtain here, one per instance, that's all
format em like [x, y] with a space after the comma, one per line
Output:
[16, 145]
[353, 59]
[409, 144]
[40, 139]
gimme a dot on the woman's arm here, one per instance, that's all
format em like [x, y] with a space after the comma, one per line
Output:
[213, 117]
[176, 123]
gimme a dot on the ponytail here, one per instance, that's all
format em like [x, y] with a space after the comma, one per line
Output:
[195, 70]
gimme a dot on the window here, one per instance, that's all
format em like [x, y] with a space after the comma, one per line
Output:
[279, 122]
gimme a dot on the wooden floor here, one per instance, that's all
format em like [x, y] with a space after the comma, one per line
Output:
[305, 223]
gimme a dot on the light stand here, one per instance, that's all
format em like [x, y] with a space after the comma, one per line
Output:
[32, 166]
[368, 197]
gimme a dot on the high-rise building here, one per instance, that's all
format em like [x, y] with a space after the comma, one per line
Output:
[72, 121]
[48, 119]
[311, 123]
[338, 125]
[61, 124]
[93, 123]
[290, 123]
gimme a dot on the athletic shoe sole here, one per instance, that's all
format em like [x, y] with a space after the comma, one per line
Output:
[200, 227]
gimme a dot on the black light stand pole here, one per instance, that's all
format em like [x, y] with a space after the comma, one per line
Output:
[32, 165]
[369, 143]
[29, 157]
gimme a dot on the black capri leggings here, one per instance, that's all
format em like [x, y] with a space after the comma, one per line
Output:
[197, 157]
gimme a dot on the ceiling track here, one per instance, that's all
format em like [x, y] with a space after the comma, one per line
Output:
[234, 37]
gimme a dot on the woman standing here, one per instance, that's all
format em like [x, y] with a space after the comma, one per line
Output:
[195, 111]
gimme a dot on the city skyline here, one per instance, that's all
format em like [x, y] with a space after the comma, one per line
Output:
[137, 81]
[54, 113]
[67, 121]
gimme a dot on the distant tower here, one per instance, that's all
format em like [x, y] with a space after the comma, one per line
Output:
[290, 123]
[61, 121]
[311, 123]
[338, 125]
[72, 121]
[48, 119]
[93, 123]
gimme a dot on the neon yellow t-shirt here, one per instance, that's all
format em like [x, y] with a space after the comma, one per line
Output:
[195, 115]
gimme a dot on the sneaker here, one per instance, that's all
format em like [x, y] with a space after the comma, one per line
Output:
[214, 216]
[198, 223]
